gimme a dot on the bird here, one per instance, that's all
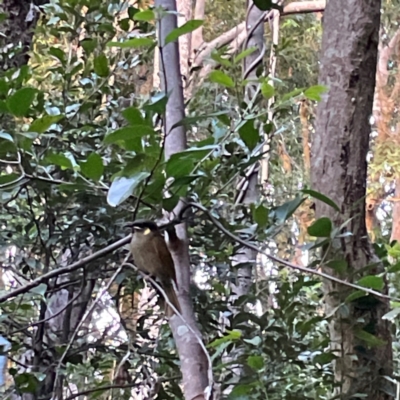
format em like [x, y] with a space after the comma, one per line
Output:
[152, 256]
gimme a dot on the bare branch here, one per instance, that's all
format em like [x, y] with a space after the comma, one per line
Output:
[65, 270]
[301, 7]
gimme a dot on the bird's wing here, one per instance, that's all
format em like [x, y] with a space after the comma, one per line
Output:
[161, 249]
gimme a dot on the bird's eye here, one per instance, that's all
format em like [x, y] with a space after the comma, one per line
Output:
[146, 231]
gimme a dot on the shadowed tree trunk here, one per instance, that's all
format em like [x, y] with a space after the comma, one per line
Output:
[339, 170]
[16, 31]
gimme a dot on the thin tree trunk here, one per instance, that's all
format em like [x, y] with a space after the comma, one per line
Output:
[194, 364]
[339, 170]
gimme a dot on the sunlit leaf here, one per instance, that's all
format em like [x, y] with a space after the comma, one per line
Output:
[255, 362]
[267, 90]
[6, 136]
[232, 336]
[42, 124]
[392, 315]
[188, 27]
[221, 78]
[244, 54]
[133, 43]
[372, 282]
[315, 92]
[121, 188]
[146, 15]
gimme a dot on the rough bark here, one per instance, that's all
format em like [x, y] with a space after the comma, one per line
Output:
[339, 170]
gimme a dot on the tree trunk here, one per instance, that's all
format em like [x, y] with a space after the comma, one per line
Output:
[339, 170]
[194, 363]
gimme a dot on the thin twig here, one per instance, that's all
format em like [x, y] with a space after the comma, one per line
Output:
[287, 263]
[87, 313]
[198, 338]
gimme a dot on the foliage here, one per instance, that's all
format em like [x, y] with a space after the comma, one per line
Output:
[84, 154]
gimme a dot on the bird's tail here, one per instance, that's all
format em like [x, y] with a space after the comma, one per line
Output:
[172, 297]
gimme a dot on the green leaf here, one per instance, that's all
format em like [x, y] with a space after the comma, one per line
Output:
[132, 11]
[157, 103]
[249, 134]
[283, 212]
[260, 215]
[291, 94]
[134, 164]
[179, 165]
[93, 167]
[88, 45]
[357, 294]
[169, 203]
[244, 54]
[267, 90]
[42, 124]
[221, 78]
[368, 338]
[57, 53]
[255, 362]
[59, 159]
[242, 392]
[391, 269]
[20, 102]
[190, 121]
[321, 197]
[146, 15]
[232, 336]
[121, 188]
[101, 67]
[26, 382]
[314, 92]
[322, 227]
[324, 358]
[125, 24]
[132, 43]
[8, 179]
[340, 266]
[4, 86]
[128, 133]
[133, 116]
[372, 282]
[188, 27]
[220, 59]
[265, 5]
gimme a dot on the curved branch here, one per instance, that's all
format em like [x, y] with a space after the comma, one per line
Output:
[302, 7]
